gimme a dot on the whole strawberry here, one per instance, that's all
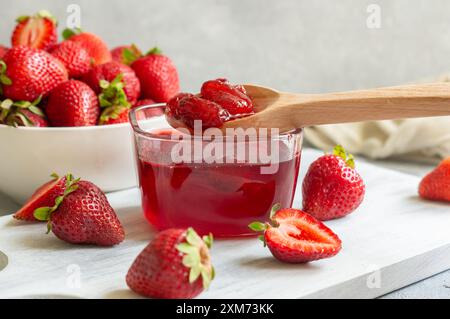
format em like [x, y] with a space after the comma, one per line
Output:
[126, 54]
[96, 47]
[296, 237]
[108, 72]
[72, 103]
[82, 215]
[176, 265]
[149, 112]
[45, 195]
[158, 76]
[22, 113]
[27, 74]
[74, 57]
[332, 188]
[436, 185]
[38, 31]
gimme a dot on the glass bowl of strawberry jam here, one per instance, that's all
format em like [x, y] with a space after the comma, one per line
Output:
[212, 182]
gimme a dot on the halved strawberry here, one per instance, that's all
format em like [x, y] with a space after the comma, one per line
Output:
[38, 31]
[296, 237]
[436, 185]
[45, 195]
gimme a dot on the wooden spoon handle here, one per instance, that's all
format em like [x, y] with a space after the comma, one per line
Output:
[408, 101]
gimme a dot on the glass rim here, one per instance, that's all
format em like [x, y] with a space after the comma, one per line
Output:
[137, 129]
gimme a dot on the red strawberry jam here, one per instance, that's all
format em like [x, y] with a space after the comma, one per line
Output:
[218, 102]
[222, 198]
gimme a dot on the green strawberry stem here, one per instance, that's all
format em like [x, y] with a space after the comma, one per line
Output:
[262, 227]
[113, 98]
[68, 33]
[44, 213]
[129, 55]
[154, 50]
[342, 153]
[196, 257]
[11, 112]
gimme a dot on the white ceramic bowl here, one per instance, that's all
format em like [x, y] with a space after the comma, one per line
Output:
[103, 155]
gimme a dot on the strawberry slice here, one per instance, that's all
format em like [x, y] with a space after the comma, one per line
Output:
[296, 237]
[38, 31]
[45, 195]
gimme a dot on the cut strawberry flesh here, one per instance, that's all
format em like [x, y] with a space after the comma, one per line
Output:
[299, 237]
[36, 33]
[44, 196]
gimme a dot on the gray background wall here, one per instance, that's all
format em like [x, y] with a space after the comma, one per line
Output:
[303, 45]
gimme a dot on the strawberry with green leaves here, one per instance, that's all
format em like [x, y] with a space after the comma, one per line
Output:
[158, 76]
[82, 215]
[332, 188]
[108, 72]
[114, 102]
[126, 54]
[176, 265]
[22, 113]
[293, 236]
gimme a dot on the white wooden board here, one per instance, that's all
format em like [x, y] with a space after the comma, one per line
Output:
[394, 239]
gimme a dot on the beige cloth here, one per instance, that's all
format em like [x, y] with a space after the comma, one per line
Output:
[424, 139]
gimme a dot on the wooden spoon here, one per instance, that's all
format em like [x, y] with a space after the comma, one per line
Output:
[287, 111]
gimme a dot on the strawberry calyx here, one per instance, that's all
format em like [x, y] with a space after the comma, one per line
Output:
[262, 227]
[44, 213]
[348, 158]
[129, 55]
[154, 50]
[196, 257]
[43, 14]
[68, 33]
[11, 112]
[113, 99]
[4, 79]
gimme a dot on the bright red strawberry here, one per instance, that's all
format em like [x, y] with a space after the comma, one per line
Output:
[26, 74]
[45, 195]
[176, 265]
[72, 103]
[22, 113]
[96, 47]
[74, 57]
[332, 188]
[3, 51]
[82, 215]
[158, 76]
[188, 108]
[233, 98]
[38, 31]
[296, 237]
[126, 54]
[436, 185]
[109, 71]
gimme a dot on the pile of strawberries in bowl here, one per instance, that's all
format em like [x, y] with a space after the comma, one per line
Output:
[78, 81]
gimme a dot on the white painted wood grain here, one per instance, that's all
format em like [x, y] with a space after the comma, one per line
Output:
[403, 238]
